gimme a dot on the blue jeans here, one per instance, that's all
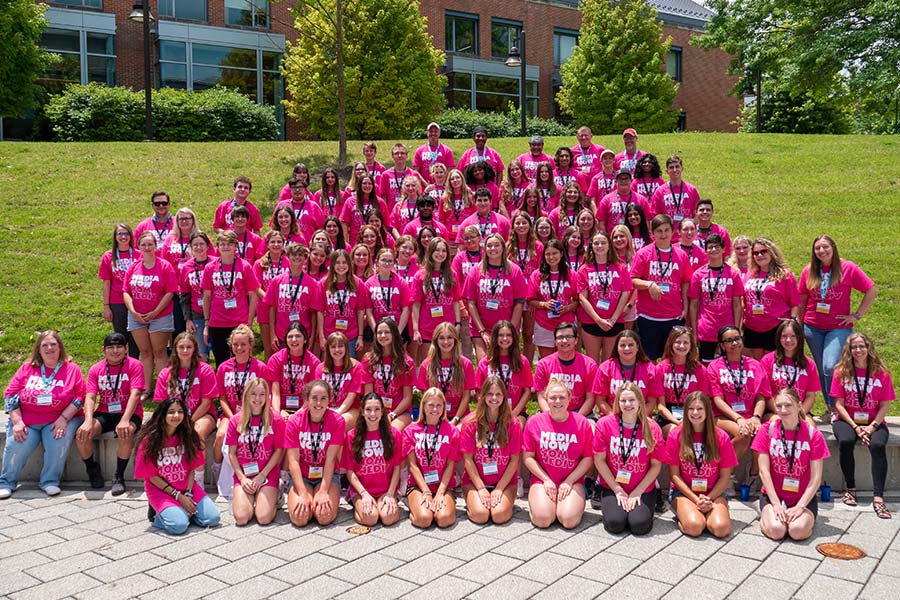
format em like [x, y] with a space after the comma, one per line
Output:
[175, 519]
[16, 454]
[353, 346]
[202, 346]
[653, 335]
[825, 346]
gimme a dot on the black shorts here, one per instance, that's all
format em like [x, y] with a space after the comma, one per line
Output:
[760, 339]
[708, 350]
[813, 505]
[109, 421]
[597, 331]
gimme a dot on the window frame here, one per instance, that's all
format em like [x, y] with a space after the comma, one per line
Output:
[450, 17]
[252, 25]
[511, 26]
[678, 53]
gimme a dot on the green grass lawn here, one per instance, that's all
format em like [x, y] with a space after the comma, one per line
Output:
[61, 201]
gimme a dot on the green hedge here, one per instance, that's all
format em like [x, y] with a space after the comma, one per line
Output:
[97, 113]
[458, 123]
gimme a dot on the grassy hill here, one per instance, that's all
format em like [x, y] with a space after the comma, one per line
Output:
[60, 202]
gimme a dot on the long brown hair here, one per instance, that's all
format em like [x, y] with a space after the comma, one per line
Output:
[693, 356]
[331, 277]
[874, 364]
[154, 432]
[710, 441]
[398, 349]
[429, 267]
[458, 377]
[504, 416]
[799, 359]
[515, 355]
[175, 362]
[813, 276]
[384, 430]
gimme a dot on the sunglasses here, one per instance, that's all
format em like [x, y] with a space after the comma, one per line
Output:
[760, 252]
[160, 204]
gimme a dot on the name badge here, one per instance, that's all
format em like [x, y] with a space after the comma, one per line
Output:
[759, 309]
[823, 308]
[432, 477]
[200, 301]
[292, 402]
[231, 303]
[677, 412]
[699, 484]
[623, 476]
[251, 469]
[678, 217]
[293, 316]
[861, 417]
[739, 407]
[159, 243]
[791, 485]
[455, 228]
[44, 399]
[341, 324]
[664, 288]
[437, 312]
[490, 468]
[552, 314]
[449, 410]
[603, 304]
[388, 401]
[316, 472]
[492, 304]
[585, 168]
[114, 407]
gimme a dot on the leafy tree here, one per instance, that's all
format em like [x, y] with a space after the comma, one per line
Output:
[373, 58]
[614, 79]
[783, 112]
[21, 60]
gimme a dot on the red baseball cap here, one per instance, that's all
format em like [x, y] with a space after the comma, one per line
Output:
[629, 131]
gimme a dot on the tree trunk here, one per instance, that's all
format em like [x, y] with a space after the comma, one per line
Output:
[342, 111]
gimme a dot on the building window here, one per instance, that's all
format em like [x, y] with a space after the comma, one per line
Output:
[253, 72]
[194, 10]
[564, 42]
[80, 3]
[489, 93]
[673, 62]
[252, 13]
[86, 56]
[462, 33]
[504, 35]
[682, 121]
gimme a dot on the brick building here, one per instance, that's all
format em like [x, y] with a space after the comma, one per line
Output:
[199, 43]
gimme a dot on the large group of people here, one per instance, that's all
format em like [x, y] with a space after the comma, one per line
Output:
[406, 319]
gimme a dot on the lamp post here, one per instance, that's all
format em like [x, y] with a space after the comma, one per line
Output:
[516, 58]
[751, 95]
[140, 13]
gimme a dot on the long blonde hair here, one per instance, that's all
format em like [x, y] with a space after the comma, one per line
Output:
[710, 442]
[246, 414]
[458, 377]
[427, 395]
[646, 430]
[501, 430]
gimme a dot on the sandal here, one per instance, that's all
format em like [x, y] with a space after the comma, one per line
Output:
[881, 510]
[850, 497]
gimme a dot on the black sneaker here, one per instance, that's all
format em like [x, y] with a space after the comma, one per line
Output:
[118, 487]
[95, 474]
[151, 514]
[595, 498]
[660, 504]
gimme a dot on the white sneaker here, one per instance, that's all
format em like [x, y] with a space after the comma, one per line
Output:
[52, 490]
[5, 493]
[520, 489]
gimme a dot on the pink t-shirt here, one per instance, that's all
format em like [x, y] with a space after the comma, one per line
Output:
[173, 467]
[516, 191]
[790, 375]
[493, 223]
[587, 160]
[715, 291]
[624, 160]
[616, 443]
[160, 229]
[489, 155]
[579, 376]
[426, 155]
[823, 314]
[386, 383]
[232, 379]
[192, 388]
[250, 246]
[41, 402]
[314, 439]
[670, 270]
[443, 382]
[294, 298]
[408, 272]
[113, 384]
[331, 204]
[767, 302]
[646, 186]
[147, 286]
[374, 470]
[530, 162]
[292, 375]
[433, 449]
[696, 255]
[880, 388]
[495, 293]
[805, 444]
[265, 277]
[561, 179]
[388, 298]
[558, 447]
[601, 185]
[704, 479]
[344, 383]
[416, 225]
[738, 383]
[403, 213]
[563, 291]
[176, 250]
[677, 201]
[463, 263]
[222, 219]
[705, 232]
[605, 285]
[611, 376]
[677, 384]
[356, 218]
[611, 209]
[453, 217]
[517, 380]
[390, 184]
[190, 276]
[112, 269]
[255, 447]
[528, 261]
[341, 307]
[562, 219]
[229, 285]
[490, 459]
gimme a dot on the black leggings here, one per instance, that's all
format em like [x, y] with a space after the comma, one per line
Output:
[847, 439]
[120, 325]
[639, 520]
[218, 339]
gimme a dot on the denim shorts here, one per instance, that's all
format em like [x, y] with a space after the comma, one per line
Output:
[159, 324]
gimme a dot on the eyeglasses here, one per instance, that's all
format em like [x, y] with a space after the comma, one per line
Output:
[734, 340]
[713, 248]
[565, 338]
[123, 234]
[185, 218]
[762, 252]
[859, 347]
[160, 203]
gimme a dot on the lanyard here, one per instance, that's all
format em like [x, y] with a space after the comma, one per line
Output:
[861, 393]
[715, 286]
[253, 444]
[431, 450]
[700, 456]
[574, 262]
[295, 289]
[679, 389]
[386, 372]
[795, 372]
[331, 202]
[490, 441]
[739, 379]
[115, 387]
[437, 288]
[445, 382]
[505, 374]
[242, 246]
[604, 281]
[760, 287]
[677, 200]
[522, 258]
[276, 271]
[554, 291]
[341, 297]
[119, 260]
[649, 188]
[631, 442]
[411, 211]
[398, 179]
[663, 273]
[48, 381]
[457, 207]
[483, 225]
[495, 279]
[386, 292]
[159, 232]
[184, 246]
[795, 451]
[229, 287]
[623, 205]
[624, 370]
[824, 283]
[240, 382]
[184, 389]
[545, 198]
[314, 445]
[434, 153]
[291, 377]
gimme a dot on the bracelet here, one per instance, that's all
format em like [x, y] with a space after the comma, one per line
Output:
[757, 417]
[857, 316]
[176, 494]
[427, 493]
[189, 494]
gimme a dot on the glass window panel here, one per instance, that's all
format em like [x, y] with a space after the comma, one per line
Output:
[61, 39]
[167, 8]
[173, 76]
[271, 61]
[460, 98]
[563, 47]
[273, 88]
[183, 9]
[491, 102]
[224, 56]
[673, 63]
[253, 13]
[67, 70]
[174, 51]
[462, 35]
[100, 43]
[503, 37]
[243, 81]
[102, 70]
[531, 88]
[87, 3]
[486, 83]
